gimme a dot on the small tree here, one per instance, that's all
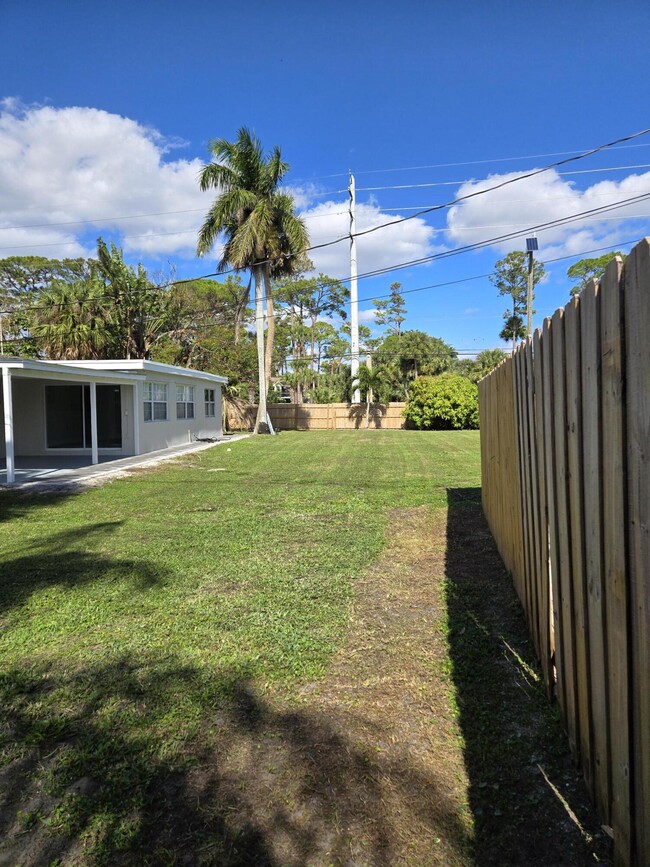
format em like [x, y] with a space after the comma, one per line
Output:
[368, 381]
[390, 311]
[511, 278]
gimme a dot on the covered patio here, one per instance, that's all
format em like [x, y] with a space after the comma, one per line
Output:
[57, 418]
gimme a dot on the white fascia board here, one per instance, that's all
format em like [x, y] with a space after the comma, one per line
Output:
[147, 367]
[55, 370]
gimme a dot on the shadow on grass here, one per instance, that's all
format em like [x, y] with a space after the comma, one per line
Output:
[100, 769]
[56, 561]
[529, 803]
[18, 503]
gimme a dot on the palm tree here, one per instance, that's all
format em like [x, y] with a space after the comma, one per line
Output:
[368, 381]
[72, 321]
[262, 232]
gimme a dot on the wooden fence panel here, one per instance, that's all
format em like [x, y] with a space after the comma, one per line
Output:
[637, 364]
[555, 648]
[519, 386]
[614, 552]
[592, 463]
[578, 580]
[563, 608]
[580, 400]
[542, 577]
[315, 416]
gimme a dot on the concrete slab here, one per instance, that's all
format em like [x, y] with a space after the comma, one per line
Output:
[58, 470]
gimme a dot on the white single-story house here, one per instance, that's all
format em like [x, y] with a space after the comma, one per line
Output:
[110, 408]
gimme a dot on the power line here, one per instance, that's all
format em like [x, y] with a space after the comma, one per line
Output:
[459, 199]
[480, 180]
[457, 164]
[414, 262]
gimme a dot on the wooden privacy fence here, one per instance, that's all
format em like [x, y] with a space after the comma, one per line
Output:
[565, 449]
[318, 416]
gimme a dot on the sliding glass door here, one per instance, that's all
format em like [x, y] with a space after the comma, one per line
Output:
[67, 415]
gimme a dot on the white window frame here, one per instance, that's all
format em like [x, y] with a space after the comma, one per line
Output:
[155, 396]
[184, 401]
[209, 396]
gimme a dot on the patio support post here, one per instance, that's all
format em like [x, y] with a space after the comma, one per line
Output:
[9, 425]
[93, 423]
[137, 403]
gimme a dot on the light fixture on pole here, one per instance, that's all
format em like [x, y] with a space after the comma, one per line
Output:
[531, 247]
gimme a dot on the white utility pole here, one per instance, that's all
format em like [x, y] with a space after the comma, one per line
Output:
[354, 296]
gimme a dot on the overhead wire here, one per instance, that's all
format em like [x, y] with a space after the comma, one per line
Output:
[458, 199]
[413, 262]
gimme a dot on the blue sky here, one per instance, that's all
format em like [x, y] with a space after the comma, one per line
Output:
[107, 110]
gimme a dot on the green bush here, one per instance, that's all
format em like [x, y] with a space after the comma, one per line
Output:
[446, 402]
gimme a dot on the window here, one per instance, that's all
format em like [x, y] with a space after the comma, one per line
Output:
[155, 401]
[184, 401]
[210, 405]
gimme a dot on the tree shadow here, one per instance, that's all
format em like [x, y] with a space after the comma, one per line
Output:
[57, 561]
[357, 413]
[18, 503]
[529, 802]
[98, 773]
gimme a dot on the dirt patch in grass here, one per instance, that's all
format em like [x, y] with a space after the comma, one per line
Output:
[389, 759]
[428, 742]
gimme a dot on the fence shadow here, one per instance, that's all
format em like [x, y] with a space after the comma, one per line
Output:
[528, 800]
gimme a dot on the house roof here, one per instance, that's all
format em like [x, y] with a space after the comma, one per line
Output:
[126, 369]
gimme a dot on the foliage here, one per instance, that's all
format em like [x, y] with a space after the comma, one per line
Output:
[511, 278]
[390, 311]
[405, 357]
[22, 279]
[73, 321]
[445, 402]
[476, 368]
[300, 302]
[590, 269]
[513, 329]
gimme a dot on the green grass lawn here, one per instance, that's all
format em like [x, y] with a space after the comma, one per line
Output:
[130, 612]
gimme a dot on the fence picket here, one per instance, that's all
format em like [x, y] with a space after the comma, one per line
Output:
[592, 462]
[637, 350]
[614, 552]
[564, 608]
[543, 583]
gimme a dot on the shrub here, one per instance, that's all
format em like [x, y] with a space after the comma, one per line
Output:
[446, 402]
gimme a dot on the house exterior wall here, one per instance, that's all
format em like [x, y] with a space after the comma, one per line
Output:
[174, 432]
[29, 420]
[29, 415]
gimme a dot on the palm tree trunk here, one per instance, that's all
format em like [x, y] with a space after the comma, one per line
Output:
[261, 423]
[240, 309]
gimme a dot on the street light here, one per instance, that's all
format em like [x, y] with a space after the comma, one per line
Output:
[531, 247]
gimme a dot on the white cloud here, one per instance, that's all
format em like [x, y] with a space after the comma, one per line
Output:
[93, 171]
[542, 199]
[402, 242]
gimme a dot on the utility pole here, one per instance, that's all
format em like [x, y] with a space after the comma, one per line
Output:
[531, 246]
[354, 295]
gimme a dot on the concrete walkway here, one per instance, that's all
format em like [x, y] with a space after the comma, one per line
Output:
[62, 470]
